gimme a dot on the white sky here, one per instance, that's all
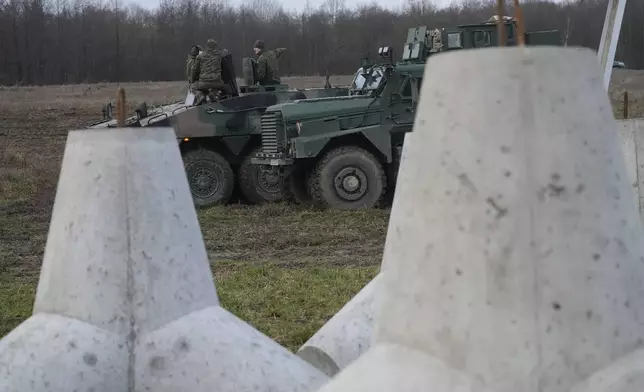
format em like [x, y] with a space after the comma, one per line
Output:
[298, 5]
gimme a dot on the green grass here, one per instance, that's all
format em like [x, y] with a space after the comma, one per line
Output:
[288, 304]
[16, 302]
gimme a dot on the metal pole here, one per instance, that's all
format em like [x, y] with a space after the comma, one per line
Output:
[610, 36]
[518, 13]
[120, 108]
[500, 7]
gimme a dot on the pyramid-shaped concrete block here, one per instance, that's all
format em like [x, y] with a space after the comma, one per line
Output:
[124, 243]
[126, 289]
[346, 336]
[50, 352]
[514, 256]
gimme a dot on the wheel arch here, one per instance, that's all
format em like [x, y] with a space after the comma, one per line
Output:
[232, 148]
[354, 139]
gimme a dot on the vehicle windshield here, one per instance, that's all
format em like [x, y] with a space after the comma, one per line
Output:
[373, 79]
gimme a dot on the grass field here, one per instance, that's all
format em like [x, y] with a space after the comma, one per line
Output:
[282, 268]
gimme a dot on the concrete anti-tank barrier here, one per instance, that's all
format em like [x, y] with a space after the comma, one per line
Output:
[126, 299]
[346, 336]
[513, 259]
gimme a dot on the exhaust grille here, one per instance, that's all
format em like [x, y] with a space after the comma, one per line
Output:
[271, 129]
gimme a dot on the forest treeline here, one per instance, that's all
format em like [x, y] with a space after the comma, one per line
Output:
[78, 41]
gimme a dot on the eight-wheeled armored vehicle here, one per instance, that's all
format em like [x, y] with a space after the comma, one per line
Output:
[218, 138]
[344, 152]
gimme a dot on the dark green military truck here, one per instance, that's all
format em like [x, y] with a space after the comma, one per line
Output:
[344, 152]
[218, 138]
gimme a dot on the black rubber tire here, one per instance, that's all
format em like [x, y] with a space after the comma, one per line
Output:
[249, 177]
[210, 164]
[296, 187]
[323, 177]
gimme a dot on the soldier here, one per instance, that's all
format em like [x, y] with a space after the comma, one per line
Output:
[191, 61]
[267, 64]
[206, 71]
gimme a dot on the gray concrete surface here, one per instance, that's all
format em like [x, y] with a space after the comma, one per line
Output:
[513, 260]
[632, 133]
[126, 299]
[346, 336]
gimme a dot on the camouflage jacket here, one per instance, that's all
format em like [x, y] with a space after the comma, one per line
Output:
[207, 65]
[189, 65]
[268, 67]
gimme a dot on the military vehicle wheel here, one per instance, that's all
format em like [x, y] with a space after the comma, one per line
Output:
[296, 187]
[258, 183]
[348, 178]
[210, 177]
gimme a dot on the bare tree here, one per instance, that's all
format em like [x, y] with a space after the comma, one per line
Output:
[333, 8]
[71, 41]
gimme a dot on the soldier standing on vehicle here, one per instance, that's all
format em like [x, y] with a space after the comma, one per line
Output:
[194, 52]
[267, 64]
[206, 71]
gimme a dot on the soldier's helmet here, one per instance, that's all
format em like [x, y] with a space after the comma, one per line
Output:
[259, 44]
[195, 50]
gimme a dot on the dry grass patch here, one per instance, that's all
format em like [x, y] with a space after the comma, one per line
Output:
[292, 235]
[96, 95]
[24, 175]
[635, 105]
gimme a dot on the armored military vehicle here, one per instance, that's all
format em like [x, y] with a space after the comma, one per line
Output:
[344, 152]
[218, 138]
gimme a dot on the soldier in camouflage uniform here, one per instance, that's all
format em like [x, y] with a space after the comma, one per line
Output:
[206, 71]
[267, 64]
[191, 61]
